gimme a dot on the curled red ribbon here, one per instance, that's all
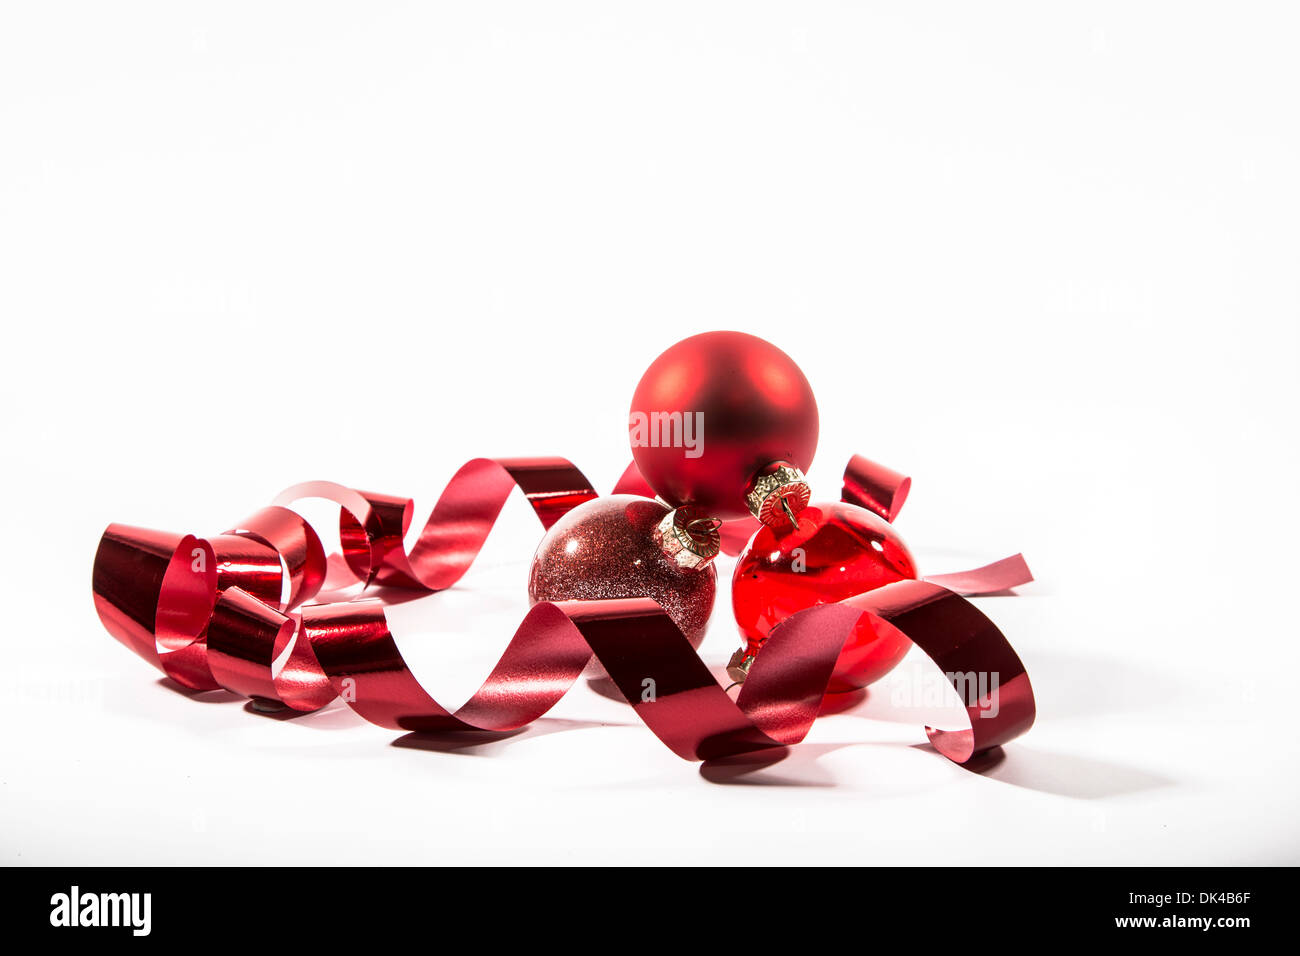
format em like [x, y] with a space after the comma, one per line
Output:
[219, 612]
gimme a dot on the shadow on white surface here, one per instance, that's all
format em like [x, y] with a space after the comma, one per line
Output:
[218, 696]
[801, 767]
[1065, 775]
[751, 770]
[333, 716]
[476, 743]
[1060, 774]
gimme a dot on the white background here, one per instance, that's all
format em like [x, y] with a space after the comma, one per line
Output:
[1044, 260]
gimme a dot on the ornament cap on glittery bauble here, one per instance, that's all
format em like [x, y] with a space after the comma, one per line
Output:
[689, 537]
[609, 548]
[716, 412]
[834, 551]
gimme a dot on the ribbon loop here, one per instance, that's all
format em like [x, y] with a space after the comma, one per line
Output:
[216, 613]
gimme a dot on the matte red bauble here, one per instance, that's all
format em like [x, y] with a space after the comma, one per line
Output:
[712, 413]
[838, 550]
[614, 547]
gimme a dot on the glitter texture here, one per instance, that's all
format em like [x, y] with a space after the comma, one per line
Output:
[605, 548]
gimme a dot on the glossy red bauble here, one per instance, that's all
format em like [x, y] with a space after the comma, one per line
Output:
[837, 551]
[605, 548]
[712, 411]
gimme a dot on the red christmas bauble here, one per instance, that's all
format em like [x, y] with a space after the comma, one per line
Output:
[712, 412]
[608, 548]
[838, 550]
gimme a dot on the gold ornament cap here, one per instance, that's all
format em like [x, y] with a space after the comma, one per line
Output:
[738, 666]
[689, 537]
[777, 494]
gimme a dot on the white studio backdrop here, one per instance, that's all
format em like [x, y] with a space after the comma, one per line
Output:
[1041, 258]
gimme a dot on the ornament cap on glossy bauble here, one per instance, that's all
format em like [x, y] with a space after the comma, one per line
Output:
[738, 666]
[715, 410]
[777, 494]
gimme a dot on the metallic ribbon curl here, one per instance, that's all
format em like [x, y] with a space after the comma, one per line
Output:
[220, 613]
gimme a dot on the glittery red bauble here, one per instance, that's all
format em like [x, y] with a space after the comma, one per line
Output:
[605, 548]
[712, 411]
[837, 551]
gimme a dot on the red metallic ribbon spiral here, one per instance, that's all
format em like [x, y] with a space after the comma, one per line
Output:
[220, 612]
